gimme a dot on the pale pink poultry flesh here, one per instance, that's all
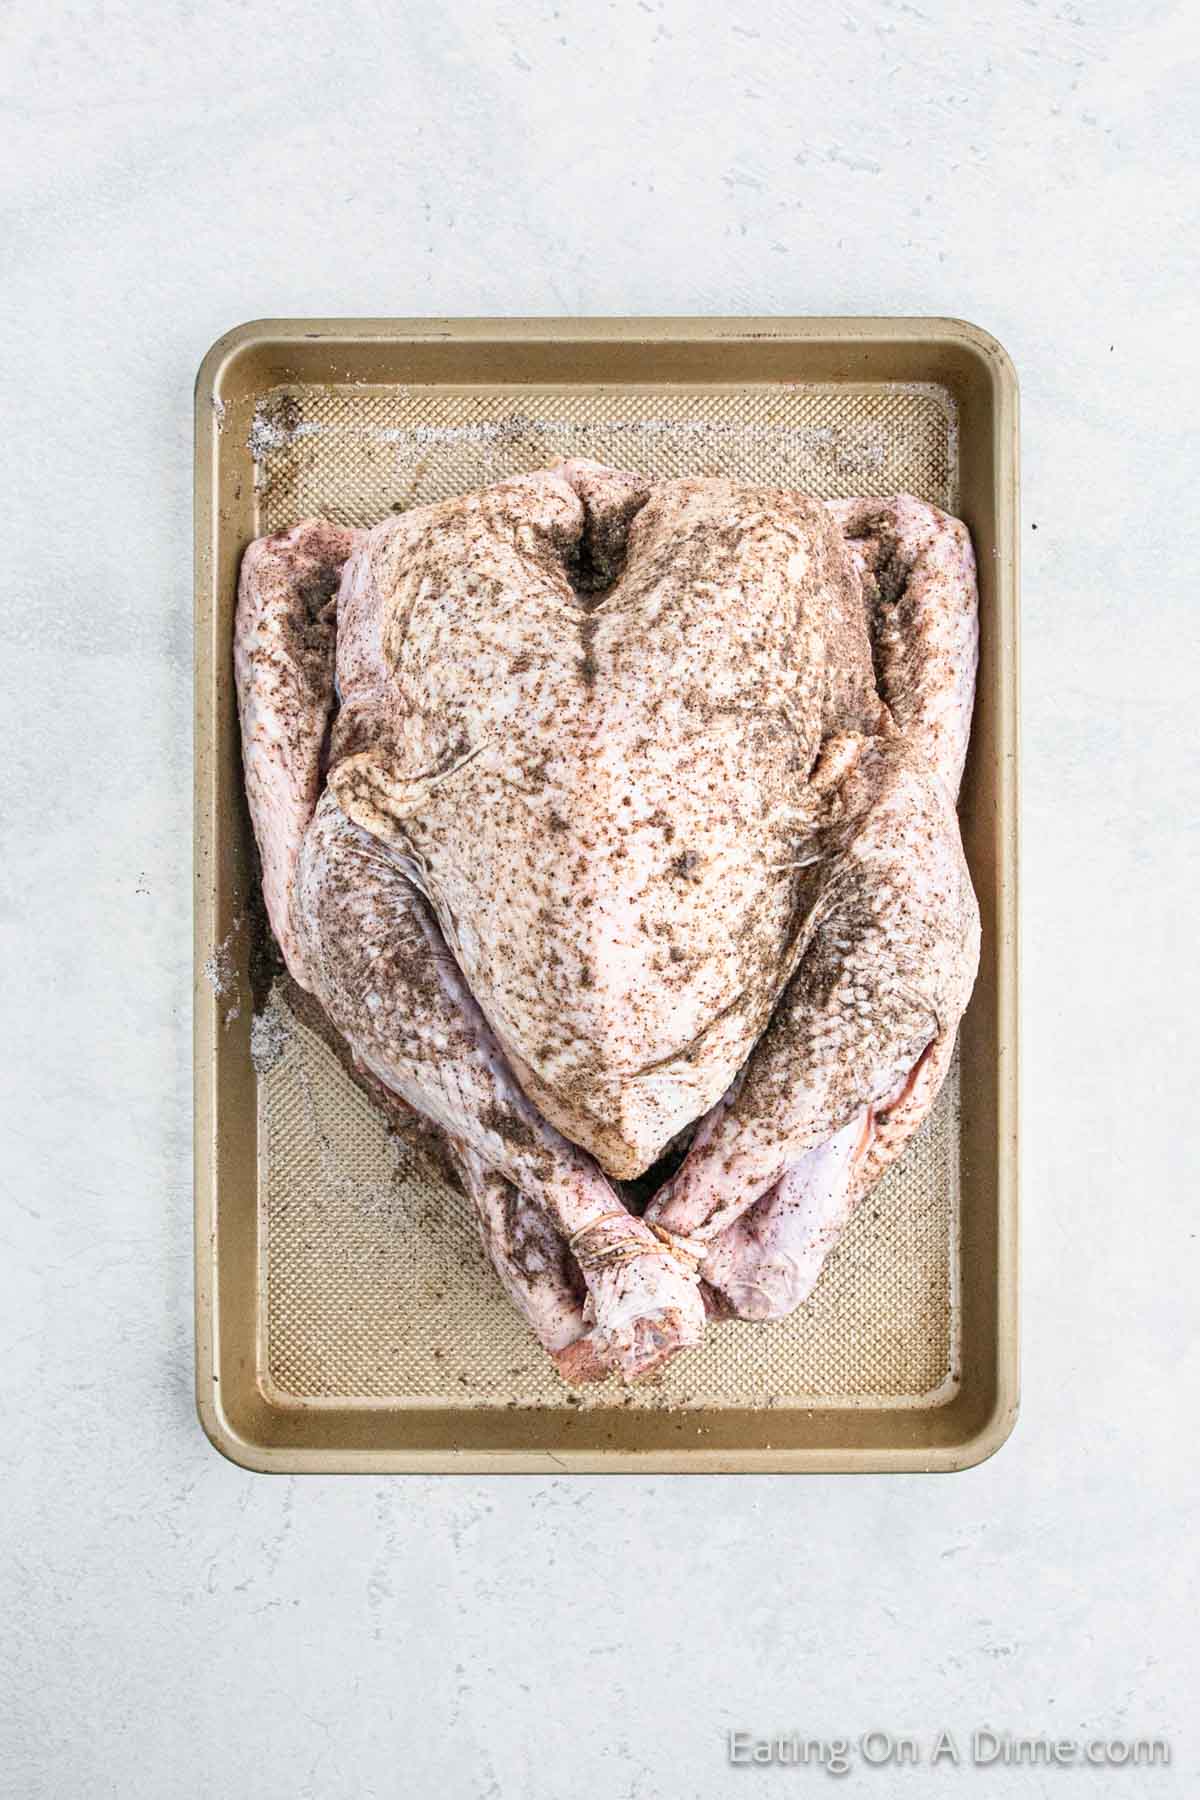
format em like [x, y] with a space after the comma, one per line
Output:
[590, 808]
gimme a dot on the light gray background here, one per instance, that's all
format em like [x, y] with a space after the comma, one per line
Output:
[175, 1626]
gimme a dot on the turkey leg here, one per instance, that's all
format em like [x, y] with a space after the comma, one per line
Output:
[917, 571]
[378, 963]
[855, 1051]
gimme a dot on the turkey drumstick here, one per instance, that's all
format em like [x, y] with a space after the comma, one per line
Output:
[892, 956]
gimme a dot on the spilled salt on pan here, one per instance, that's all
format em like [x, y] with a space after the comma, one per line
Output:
[269, 1034]
[218, 970]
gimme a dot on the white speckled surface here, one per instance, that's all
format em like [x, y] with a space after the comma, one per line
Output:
[176, 1626]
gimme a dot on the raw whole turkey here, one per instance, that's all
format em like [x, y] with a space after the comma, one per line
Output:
[612, 824]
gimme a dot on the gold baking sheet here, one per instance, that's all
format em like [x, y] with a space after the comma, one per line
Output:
[362, 1294]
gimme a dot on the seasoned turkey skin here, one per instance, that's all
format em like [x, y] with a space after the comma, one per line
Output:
[601, 814]
[602, 791]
